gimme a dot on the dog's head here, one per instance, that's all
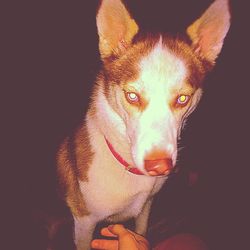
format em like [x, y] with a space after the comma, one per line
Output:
[153, 82]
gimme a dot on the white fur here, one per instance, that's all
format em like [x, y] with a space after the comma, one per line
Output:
[161, 73]
[111, 190]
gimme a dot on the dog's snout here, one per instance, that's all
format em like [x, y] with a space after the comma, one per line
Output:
[158, 167]
[158, 163]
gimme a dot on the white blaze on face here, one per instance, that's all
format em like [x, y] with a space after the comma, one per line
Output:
[156, 127]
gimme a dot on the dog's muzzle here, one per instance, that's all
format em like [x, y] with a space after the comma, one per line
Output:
[158, 167]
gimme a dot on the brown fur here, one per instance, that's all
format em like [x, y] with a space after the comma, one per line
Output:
[197, 66]
[84, 155]
[74, 165]
[125, 68]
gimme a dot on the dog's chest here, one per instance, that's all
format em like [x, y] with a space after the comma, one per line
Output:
[111, 190]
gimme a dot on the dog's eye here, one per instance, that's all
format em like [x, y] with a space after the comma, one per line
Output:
[132, 97]
[183, 99]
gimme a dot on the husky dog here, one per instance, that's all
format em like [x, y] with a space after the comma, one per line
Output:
[123, 151]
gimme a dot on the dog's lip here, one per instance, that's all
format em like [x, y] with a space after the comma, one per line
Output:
[153, 173]
[167, 173]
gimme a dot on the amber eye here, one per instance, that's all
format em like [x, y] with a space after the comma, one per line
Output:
[132, 97]
[183, 99]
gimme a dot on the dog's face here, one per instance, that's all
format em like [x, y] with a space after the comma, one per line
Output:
[154, 94]
[153, 83]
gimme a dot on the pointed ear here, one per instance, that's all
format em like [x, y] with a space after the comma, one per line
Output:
[115, 27]
[208, 32]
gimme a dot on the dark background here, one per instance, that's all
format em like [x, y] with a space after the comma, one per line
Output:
[50, 59]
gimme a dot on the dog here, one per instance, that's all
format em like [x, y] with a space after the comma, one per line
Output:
[126, 147]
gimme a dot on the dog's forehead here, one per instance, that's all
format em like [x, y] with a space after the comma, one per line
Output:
[156, 63]
[162, 69]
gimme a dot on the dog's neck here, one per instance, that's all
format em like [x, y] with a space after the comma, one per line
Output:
[123, 162]
[111, 128]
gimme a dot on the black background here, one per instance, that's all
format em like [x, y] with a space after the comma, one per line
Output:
[50, 58]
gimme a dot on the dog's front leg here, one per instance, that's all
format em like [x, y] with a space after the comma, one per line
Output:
[83, 229]
[141, 222]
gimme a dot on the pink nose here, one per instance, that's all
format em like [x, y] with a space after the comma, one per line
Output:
[158, 162]
[158, 167]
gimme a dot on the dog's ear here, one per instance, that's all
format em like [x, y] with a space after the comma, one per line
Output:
[115, 28]
[208, 32]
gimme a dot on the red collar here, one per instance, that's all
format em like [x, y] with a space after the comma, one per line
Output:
[122, 161]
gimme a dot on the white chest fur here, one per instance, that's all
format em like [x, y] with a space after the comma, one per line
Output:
[111, 190]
